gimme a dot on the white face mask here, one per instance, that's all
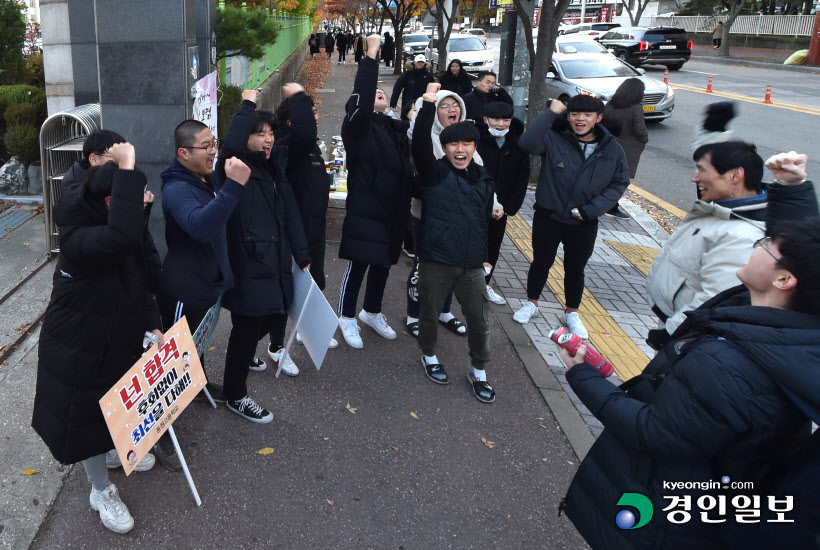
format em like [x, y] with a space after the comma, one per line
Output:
[499, 133]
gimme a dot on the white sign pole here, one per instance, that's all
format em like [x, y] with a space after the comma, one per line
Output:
[185, 464]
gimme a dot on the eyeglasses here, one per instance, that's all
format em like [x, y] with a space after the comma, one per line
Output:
[448, 106]
[763, 243]
[213, 146]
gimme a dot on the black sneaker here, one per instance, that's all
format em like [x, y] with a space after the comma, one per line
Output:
[435, 372]
[257, 365]
[483, 391]
[248, 409]
[618, 213]
[216, 393]
[166, 454]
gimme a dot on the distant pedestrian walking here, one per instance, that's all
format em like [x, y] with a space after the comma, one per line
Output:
[313, 42]
[717, 35]
[329, 44]
[341, 47]
[388, 49]
[623, 117]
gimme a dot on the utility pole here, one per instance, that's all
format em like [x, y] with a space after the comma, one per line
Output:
[521, 64]
[814, 46]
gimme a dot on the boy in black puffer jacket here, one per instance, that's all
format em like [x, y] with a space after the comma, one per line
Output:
[458, 201]
[264, 232]
[509, 166]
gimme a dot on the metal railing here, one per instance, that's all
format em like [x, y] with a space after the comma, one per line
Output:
[61, 144]
[770, 25]
[248, 74]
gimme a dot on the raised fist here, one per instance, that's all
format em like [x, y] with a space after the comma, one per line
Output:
[431, 93]
[250, 95]
[124, 155]
[237, 170]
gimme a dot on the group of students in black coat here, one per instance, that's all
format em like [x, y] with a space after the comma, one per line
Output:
[460, 211]
[232, 230]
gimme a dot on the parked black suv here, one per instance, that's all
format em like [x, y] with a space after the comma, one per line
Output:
[649, 46]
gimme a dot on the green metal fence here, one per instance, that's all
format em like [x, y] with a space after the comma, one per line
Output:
[247, 74]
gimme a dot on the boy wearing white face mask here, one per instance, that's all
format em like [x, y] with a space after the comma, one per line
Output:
[509, 167]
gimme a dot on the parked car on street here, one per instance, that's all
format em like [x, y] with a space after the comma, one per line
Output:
[472, 52]
[414, 44]
[638, 46]
[589, 29]
[576, 44]
[476, 32]
[598, 75]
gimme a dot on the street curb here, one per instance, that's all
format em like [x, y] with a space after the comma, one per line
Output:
[647, 222]
[36, 200]
[569, 420]
[761, 64]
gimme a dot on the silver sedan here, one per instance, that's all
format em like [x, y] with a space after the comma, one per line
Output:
[598, 75]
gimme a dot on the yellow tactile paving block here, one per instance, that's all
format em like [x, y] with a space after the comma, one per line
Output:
[639, 256]
[604, 332]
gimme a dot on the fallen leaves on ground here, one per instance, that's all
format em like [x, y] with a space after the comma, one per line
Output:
[666, 219]
[330, 502]
[489, 444]
[351, 409]
[265, 451]
[30, 472]
[395, 448]
[211, 348]
[313, 75]
[414, 415]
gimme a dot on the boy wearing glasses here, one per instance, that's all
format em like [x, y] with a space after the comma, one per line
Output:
[196, 269]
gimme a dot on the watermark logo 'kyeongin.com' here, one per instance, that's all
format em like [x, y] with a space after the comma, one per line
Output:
[625, 519]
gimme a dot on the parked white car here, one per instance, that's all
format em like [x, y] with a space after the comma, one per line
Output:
[470, 50]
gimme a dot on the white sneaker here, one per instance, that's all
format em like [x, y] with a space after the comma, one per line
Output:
[378, 322]
[113, 513]
[524, 314]
[574, 324]
[350, 332]
[112, 461]
[495, 298]
[287, 364]
[333, 342]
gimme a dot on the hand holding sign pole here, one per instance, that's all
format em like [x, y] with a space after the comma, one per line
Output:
[144, 403]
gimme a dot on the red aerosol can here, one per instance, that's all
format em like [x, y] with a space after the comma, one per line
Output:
[572, 342]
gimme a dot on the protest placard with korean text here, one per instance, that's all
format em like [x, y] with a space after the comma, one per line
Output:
[152, 394]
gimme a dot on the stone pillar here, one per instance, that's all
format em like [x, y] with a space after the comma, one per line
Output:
[146, 53]
[57, 61]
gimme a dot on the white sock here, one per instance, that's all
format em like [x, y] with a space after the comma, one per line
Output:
[411, 320]
[348, 318]
[431, 359]
[445, 317]
[370, 314]
[480, 375]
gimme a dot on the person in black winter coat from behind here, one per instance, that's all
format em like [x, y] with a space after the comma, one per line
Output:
[297, 129]
[485, 91]
[341, 46]
[313, 43]
[329, 44]
[95, 153]
[509, 166]
[378, 199]
[727, 396]
[264, 232]
[412, 83]
[456, 79]
[101, 306]
[388, 49]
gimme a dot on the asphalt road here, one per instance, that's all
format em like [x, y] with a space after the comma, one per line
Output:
[666, 166]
